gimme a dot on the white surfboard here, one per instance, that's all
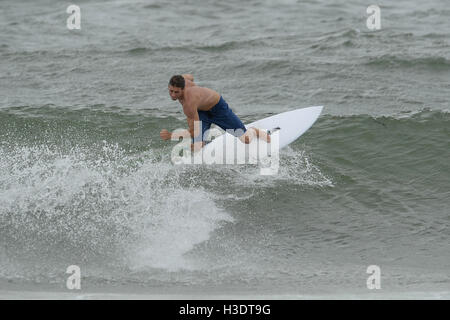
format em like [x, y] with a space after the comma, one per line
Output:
[286, 127]
[292, 124]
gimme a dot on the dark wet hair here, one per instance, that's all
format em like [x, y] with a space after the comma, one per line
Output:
[177, 81]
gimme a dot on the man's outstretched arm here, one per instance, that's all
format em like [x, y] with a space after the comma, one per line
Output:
[192, 119]
[189, 80]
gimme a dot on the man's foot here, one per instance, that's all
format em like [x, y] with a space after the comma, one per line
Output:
[264, 135]
[259, 133]
[269, 132]
[268, 137]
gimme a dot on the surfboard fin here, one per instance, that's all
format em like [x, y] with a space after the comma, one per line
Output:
[270, 131]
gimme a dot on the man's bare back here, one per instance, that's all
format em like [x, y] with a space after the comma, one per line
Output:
[203, 98]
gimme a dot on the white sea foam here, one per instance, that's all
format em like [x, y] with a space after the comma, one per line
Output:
[135, 209]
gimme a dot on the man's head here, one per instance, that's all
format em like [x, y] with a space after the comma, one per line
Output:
[176, 87]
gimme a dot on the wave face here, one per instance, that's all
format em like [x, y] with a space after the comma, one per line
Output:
[86, 180]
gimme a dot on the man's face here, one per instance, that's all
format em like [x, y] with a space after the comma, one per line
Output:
[175, 92]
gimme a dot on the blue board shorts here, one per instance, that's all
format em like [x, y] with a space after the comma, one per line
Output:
[222, 116]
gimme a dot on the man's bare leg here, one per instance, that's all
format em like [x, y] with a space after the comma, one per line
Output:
[251, 133]
[262, 134]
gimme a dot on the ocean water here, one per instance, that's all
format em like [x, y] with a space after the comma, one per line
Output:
[85, 179]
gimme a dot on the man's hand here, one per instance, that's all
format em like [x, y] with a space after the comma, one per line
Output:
[165, 135]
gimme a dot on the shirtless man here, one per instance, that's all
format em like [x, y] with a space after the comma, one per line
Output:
[206, 106]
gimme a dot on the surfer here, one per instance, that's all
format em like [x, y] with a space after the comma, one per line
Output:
[204, 106]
